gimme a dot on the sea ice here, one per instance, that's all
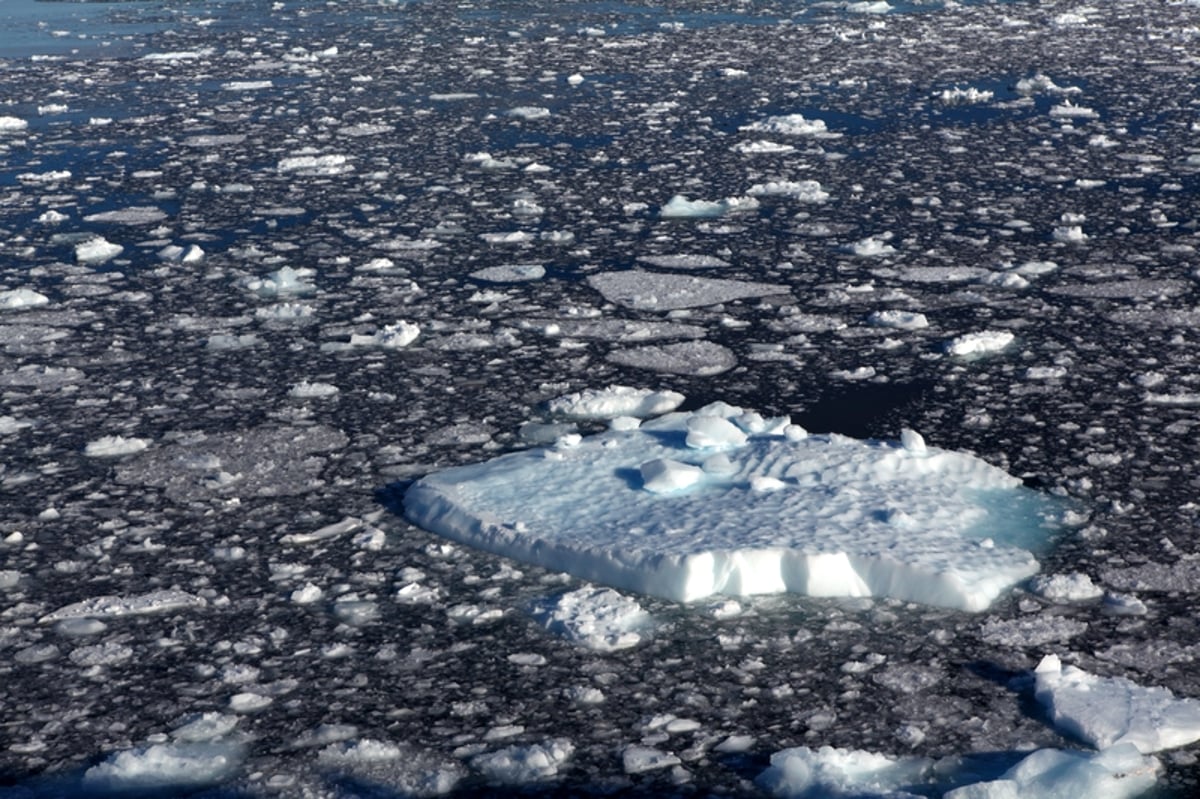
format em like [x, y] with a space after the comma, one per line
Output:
[114, 446]
[18, 299]
[656, 291]
[614, 401]
[700, 358]
[1117, 773]
[663, 517]
[521, 765]
[594, 617]
[1109, 711]
[981, 343]
[104, 607]
[97, 250]
[159, 767]
[788, 125]
[680, 207]
[830, 772]
[12, 124]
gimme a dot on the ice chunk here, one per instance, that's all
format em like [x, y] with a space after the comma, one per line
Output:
[701, 358]
[830, 772]
[385, 768]
[597, 618]
[614, 401]
[97, 250]
[135, 215]
[981, 343]
[103, 607]
[713, 431]
[520, 765]
[114, 446]
[684, 261]
[1117, 773]
[788, 125]
[1073, 587]
[17, 299]
[391, 337]
[665, 292]
[899, 320]
[828, 529]
[334, 164]
[12, 124]
[640, 759]
[808, 191]
[160, 767]
[680, 207]
[1108, 711]
[510, 273]
[282, 282]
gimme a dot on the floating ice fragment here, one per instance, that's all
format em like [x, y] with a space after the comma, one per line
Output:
[104, 607]
[968, 96]
[594, 617]
[393, 337]
[19, 299]
[808, 191]
[97, 250]
[644, 290]
[680, 207]
[12, 124]
[614, 401]
[529, 112]
[1073, 587]
[830, 772]
[162, 767]
[872, 246]
[520, 765]
[1109, 711]
[136, 215]
[246, 85]
[981, 343]
[334, 164]
[788, 125]
[899, 320]
[510, 273]
[1069, 110]
[282, 282]
[820, 532]
[700, 358]
[713, 431]
[114, 446]
[640, 759]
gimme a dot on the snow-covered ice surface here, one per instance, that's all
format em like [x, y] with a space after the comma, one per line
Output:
[264, 265]
[723, 501]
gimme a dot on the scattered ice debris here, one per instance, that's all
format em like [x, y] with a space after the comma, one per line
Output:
[655, 291]
[700, 358]
[107, 607]
[905, 523]
[680, 207]
[20, 299]
[614, 401]
[162, 767]
[522, 765]
[1027, 632]
[981, 343]
[1073, 587]
[114, 446]
[173, 253]
[97, 250]
[1110, 711]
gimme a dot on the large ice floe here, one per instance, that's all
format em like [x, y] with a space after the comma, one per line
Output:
[724, 501]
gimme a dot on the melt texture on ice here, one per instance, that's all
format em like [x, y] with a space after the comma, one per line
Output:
[17, 299]
[724, 501]
[1109, 711]
[165, 766]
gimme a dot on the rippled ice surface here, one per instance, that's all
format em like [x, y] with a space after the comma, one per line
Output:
[262, 266]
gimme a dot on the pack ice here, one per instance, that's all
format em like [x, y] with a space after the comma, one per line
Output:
[725, 501]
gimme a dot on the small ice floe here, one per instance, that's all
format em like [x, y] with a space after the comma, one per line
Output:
[1110, 711]
[114, 446]
[1068, 110]
[315, 165]
[680, 207]
[393, 337]
[898, 320]
[698, 358]
[982, 343]
[1040, 83]
[285, 281]
[762, 147]
[165, 768]
[643, 290]
[20, 299]
[134, 215]
[968, 96]
[529, 112]
[10, 124]
[808, 191]
[247, 85]
[523, 765]
[788, 125]
[315, 390]
[1074, 587]
[614, 401]
[105, 607]
[97, 250]
[510, 273]
[872, 246]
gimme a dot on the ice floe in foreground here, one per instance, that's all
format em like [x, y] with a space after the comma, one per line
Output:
[1110, 711]
[828, 772]
[724, 501]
